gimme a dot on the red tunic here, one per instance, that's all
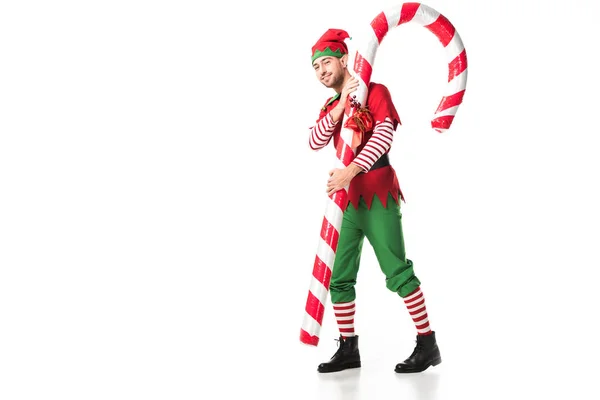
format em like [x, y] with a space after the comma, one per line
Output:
[380, 181]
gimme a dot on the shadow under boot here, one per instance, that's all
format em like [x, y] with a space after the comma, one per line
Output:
[347, 356]
[425, 354]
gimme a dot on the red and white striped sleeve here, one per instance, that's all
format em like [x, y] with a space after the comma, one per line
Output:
[321, 133]
[378, 144]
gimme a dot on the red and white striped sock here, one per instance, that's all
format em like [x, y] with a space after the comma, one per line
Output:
[344, 315]
[415, 303]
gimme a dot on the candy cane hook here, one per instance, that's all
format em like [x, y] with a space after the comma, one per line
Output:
[443, 29]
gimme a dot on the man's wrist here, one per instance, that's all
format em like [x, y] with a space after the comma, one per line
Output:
[336, 114]
[355, 169]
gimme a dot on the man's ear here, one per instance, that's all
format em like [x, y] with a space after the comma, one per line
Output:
[344, 60]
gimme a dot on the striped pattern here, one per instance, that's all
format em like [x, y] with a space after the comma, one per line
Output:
[362, 63]
[344, 315]
[415, 303]
[441, 27]
[320, 134]
[378, 144]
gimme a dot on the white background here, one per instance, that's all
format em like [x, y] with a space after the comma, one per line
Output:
[160, 207]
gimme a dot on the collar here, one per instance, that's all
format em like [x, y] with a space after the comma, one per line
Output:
[334, 98]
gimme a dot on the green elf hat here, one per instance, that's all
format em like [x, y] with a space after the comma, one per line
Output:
[330, 44]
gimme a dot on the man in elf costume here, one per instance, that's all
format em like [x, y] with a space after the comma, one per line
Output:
[373, 208]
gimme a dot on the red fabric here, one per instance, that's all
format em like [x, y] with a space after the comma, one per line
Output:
[334, 39]
[381, 181]
[378, 182]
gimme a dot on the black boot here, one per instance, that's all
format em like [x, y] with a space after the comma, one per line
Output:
[425, 354]
[347, 356]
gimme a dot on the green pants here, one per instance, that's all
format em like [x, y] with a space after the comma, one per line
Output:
[383, 229]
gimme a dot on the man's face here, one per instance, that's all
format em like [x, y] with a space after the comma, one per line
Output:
[329, 71]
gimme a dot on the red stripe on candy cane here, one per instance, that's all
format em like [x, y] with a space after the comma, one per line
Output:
[329, 234]
[451, 101]
[363, 68]
[315, 307]
[408, 11]
[380, 26]
[457, 66]
[443, 29]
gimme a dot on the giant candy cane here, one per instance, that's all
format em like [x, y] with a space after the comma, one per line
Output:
[363, 61]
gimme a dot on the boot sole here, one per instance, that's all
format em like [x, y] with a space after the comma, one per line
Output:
[433, 363]
[341, 367]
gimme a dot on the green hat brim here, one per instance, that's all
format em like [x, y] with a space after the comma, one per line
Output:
[327, 52]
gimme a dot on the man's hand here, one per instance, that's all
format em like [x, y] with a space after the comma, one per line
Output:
[340, 178]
